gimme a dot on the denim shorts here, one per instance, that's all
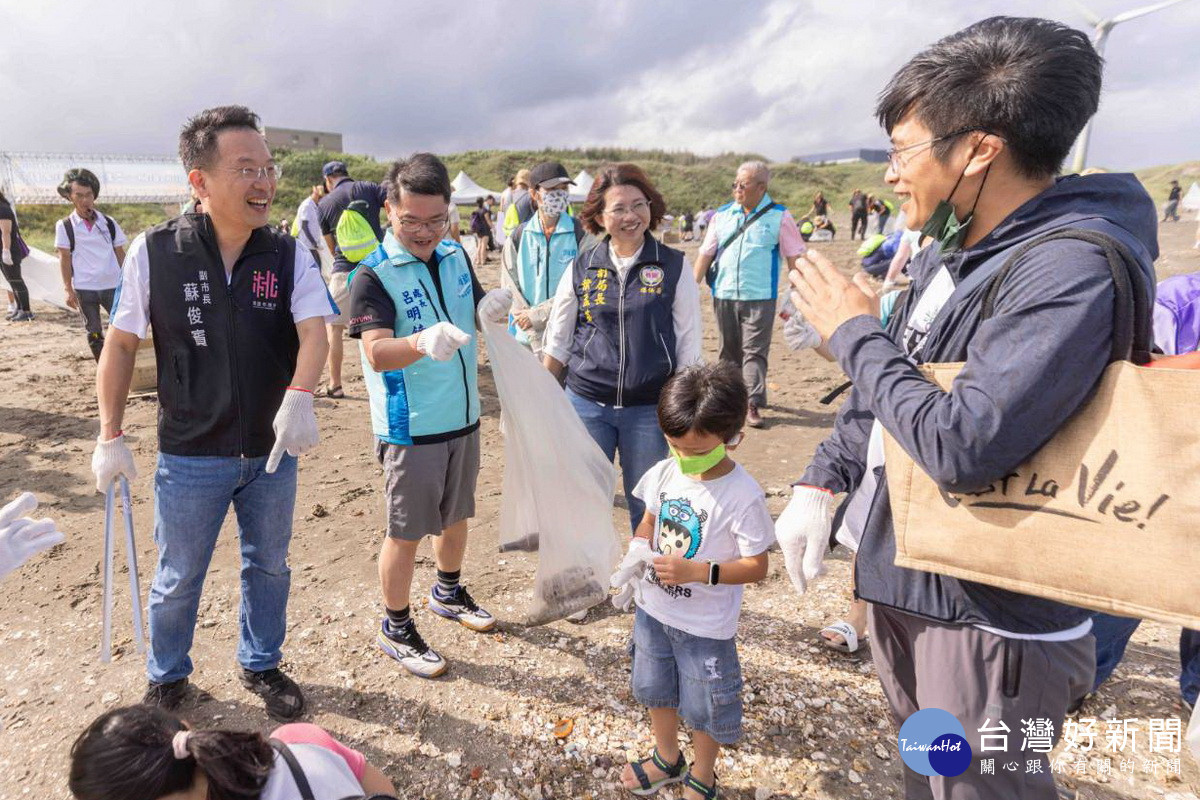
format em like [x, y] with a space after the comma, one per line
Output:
[700, 677]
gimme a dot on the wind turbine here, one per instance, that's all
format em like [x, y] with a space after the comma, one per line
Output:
[1102, 28]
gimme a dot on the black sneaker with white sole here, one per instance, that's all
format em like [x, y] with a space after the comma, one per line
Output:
[167, 696]
[283, 698]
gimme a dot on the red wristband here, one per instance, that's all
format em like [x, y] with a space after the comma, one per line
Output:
[298, 389]
[829, 492]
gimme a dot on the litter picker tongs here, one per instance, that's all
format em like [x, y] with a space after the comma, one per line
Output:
[135, 586]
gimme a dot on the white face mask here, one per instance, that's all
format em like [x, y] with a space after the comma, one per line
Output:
[554, 202]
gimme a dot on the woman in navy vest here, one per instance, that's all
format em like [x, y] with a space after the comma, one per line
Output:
[626, 316]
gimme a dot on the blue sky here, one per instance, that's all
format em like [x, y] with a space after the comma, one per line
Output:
[780, 78]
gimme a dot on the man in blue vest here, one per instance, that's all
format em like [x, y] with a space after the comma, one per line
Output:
[740, 257]
[413, 304]
[238, 311]
[539, 252]
[975, 160]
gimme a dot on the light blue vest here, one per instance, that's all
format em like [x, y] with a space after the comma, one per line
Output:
[749, 268]
[427, 399]
[540, 264]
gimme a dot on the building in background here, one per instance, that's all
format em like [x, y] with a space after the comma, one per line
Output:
[296, 139]
[845, 157]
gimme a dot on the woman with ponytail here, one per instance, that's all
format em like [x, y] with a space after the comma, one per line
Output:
[145, 753]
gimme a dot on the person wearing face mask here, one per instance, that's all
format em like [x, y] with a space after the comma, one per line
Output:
[538, 253]
[413, 304]
[975, 161]
[704, 535]
[626, 317]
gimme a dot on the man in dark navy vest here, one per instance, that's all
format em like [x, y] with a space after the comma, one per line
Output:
[238, 313]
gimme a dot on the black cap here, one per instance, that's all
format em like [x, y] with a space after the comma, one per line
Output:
[549, 172]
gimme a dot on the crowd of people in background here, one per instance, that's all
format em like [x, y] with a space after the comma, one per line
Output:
[247, 316]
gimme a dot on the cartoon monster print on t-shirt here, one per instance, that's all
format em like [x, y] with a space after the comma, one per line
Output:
[681, 527]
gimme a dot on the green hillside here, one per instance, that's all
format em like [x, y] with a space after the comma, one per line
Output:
[686, 180]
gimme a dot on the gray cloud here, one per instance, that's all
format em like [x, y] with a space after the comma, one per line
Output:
[773, 76]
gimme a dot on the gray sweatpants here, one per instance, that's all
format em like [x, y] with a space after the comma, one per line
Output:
[984, 680]
[744, 336]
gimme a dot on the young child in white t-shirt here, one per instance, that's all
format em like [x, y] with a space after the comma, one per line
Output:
[708, 528]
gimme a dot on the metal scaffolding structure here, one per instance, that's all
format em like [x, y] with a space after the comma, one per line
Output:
[33, 178]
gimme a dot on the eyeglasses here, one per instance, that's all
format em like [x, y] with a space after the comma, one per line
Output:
[637, 209]
[272, 173]
[743, 184]
[895, 163]
[409, 225]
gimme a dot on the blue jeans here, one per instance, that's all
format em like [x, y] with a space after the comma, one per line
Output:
[192, 495]
[1112, 635]
[701, 678]
[632, 430]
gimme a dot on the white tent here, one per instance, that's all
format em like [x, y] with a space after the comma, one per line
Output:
[1191, 200]
[583, 185]
[466, 191]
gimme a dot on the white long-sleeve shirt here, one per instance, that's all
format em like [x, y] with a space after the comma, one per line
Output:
[685, 313]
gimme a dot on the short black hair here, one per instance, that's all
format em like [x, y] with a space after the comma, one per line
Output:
[198, 139]
[420, 173]
[708, 398]
[1033, 82]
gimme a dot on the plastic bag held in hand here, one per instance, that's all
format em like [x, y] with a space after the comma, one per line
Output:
[626, 580]
[111, 459]
[22, 537]
[295, 426]
[802, 531]
[441, 341]
[494, 306]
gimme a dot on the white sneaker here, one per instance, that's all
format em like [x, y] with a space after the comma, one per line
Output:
[410, 650]
[461, 608]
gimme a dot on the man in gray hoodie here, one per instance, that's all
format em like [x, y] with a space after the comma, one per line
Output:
[980, 124]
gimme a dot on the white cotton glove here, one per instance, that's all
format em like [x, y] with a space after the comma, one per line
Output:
[6, 257]
[110, 460]
[628, 577]
[494, 306]
[295, 426]
[20, 536]
[802, 531]
[798, 334]
[441, 341]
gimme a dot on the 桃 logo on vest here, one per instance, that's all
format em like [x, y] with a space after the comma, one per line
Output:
[651, 276]
[933, 742]
[265, 288]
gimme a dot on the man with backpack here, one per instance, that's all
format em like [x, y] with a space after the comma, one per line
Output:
[342, 191]
[538, 253]
[740, 258]
[974, 159]
[91, 247]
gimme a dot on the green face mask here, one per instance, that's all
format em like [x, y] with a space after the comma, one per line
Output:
[944, 226]
[698, 465]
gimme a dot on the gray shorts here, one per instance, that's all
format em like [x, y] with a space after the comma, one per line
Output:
[429, 487]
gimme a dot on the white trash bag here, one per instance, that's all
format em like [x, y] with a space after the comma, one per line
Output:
[557, 491]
